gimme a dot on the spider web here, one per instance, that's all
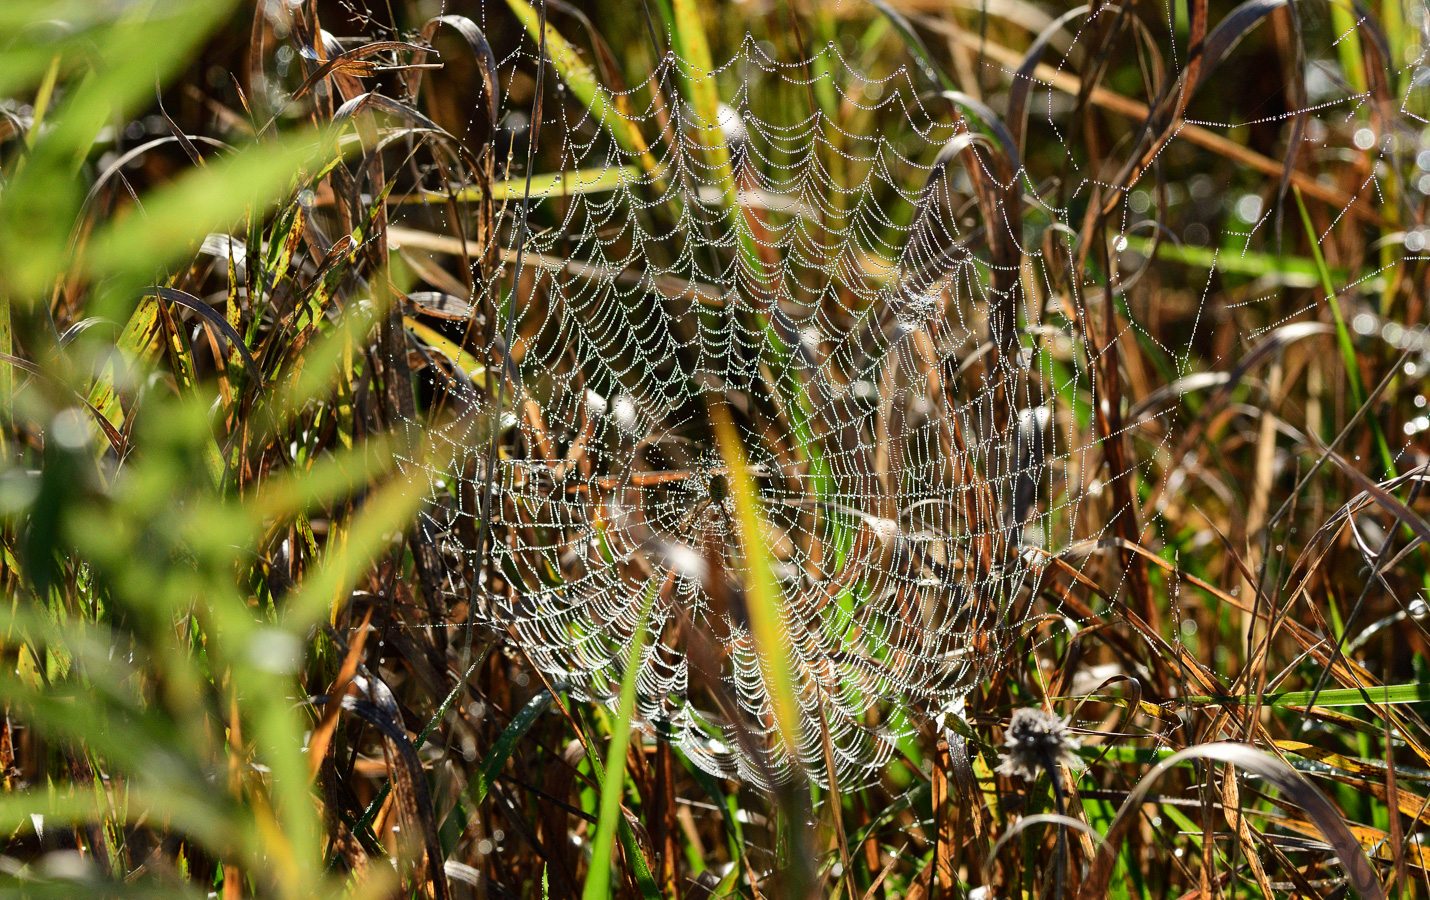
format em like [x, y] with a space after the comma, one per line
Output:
[848, 285]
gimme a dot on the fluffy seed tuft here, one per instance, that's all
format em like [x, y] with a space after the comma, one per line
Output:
[1035, 741]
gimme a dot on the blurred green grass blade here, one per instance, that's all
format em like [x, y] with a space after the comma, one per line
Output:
[178, 790]
[567, 184]
[296, 844]
[197, 816]
[386, 514]
[19, 13]
[1343, 337]
[767, 624]
[177, 216]
[251, 653]
[118, 731]
[1346, 25]
[134, 41]
[613, 779]
[128, 56]
[43, 96]
[1398, 31]
[697, 66]
[1288, 270]
[329, 478]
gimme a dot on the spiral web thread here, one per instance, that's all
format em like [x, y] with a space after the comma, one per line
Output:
[896, 398]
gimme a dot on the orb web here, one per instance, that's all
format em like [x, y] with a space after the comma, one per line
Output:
[846, 284]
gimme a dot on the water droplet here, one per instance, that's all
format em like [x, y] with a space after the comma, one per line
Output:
[1248, 208]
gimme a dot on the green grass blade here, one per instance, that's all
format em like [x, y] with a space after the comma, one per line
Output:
[501, 751]
[1288, 270]
[549, 184]
[1384, 695]
[1346, 24]
[581, 81]
[389, 508]
[699, 70]
[613, 780]
[1343, 337]
[931, 69]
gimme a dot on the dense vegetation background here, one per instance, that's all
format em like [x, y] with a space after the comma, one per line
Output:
[213, 349]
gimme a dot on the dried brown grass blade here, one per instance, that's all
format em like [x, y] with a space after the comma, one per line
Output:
[323, 734]
[1195, 134]
[1324, 816]
[411, 795]
[355, 62]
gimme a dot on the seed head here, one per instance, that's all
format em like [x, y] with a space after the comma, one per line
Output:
[1035, 741]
